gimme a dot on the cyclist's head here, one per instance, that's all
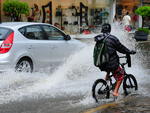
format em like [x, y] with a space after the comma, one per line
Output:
[106, 28]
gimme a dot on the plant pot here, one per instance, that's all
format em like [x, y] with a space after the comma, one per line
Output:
[141, 36]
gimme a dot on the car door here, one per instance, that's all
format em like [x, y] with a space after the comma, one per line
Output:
[37, 44]
[59, 48]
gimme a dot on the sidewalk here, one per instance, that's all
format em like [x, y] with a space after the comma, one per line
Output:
[134, 104]
[137, 104]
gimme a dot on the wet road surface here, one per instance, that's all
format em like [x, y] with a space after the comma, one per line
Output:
[138, 103]
[49, 105]
[133, 104]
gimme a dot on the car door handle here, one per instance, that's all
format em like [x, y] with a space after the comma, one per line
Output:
[30, 47]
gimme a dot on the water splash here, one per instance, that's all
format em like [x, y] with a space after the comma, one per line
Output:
[74, 78]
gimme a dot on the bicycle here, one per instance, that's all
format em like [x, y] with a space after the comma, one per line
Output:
[101, 88]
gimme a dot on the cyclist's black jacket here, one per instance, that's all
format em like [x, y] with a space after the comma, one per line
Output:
[114, 45]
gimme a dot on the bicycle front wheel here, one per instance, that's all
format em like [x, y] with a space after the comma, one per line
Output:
[129, 84]
[100, 90]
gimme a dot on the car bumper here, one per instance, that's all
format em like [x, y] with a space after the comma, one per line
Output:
[5, 62]
[4, 66]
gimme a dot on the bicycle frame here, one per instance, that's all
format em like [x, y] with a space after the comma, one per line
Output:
[105, 86]
[128, 61]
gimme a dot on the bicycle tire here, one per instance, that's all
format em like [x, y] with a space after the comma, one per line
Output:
[129, 83]
[103, 90]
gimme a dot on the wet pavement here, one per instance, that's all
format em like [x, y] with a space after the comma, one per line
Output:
[132, 104]
[43, 105]
[78, 102]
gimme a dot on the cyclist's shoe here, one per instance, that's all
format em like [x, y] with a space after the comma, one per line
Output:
[132, 52]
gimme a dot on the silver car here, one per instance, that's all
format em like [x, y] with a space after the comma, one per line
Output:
[26, 47]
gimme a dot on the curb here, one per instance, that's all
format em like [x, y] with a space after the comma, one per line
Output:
[105, 106]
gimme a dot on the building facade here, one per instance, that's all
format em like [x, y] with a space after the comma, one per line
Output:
[74, 15]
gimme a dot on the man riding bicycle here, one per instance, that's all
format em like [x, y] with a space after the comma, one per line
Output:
[113, 45]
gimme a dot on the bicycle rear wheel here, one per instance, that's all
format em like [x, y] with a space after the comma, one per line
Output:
[100, 90]
[129, 84]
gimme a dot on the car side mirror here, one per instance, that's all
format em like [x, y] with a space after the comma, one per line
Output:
[67, 37]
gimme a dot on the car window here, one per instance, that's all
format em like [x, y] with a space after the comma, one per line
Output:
[33, 32]
[53, 33]
[22, 31]
[4, 32]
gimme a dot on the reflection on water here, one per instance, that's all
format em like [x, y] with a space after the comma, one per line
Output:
[144, 49]
[134, 104]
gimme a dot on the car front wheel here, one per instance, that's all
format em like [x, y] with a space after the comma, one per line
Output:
[24, 65]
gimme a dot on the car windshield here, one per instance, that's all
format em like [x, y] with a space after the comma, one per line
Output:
[4, 32]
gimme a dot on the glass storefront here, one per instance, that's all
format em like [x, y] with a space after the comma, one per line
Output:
[100, 12]
[67, 12]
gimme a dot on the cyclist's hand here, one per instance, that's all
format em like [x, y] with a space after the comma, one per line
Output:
[132, 52]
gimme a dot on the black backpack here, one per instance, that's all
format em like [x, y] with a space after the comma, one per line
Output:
[100, 54]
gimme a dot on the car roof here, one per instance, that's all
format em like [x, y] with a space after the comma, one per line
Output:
[18, 24]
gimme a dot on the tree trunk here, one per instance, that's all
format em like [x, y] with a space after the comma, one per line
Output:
[142, 21]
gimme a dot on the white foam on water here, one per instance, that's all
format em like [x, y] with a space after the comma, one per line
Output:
[141, 74]
[74, 78]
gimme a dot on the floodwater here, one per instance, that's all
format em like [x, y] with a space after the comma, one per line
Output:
[68, 88]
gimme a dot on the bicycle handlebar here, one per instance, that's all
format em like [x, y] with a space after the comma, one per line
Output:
[128, 59]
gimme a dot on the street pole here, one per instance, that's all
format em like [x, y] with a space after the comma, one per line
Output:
[0, 13]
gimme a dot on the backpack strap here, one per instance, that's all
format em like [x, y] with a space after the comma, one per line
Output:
[104, 40]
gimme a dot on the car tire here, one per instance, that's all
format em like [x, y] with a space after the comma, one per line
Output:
[24, 65]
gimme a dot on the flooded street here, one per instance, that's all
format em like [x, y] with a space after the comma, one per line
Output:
[134, 104]
[68, 88]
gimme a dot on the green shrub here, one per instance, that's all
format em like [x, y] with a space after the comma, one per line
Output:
[14, 9]
[146, 30]
[143, 11]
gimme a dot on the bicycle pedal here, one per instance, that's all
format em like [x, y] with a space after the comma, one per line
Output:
[128, 86]
[115, 98]
[100, 92]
